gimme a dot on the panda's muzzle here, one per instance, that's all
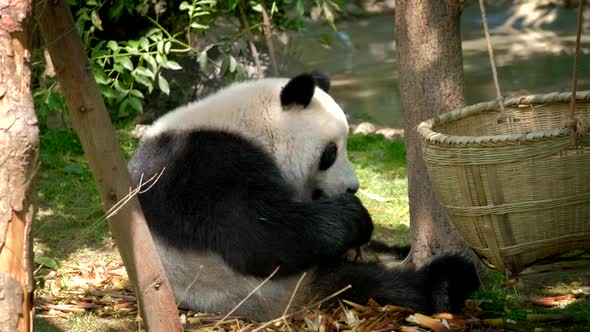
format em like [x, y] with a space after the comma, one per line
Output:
[319, 194]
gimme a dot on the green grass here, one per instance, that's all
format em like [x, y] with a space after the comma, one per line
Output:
[68, 202]
[510, 300]
[381, 169]
[70, 213]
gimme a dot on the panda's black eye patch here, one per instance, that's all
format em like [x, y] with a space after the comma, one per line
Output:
[328, 156]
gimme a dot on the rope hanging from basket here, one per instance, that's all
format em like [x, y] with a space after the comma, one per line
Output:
[492, 62]
[576, 125]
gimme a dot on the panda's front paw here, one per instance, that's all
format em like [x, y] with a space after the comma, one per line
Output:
[358, 220]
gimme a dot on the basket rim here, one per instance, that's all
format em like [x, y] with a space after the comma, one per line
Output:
[428, 135]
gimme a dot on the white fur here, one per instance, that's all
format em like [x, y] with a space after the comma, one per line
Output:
[214, 287]
[296, 137]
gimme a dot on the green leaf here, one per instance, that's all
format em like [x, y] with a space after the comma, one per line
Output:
[119, 87]
[107, 91]
[135, 104]
[116, 9]
[173, 65]
[224, 65]
[47, 262]
[202, 59]
[202, 13]
[113, 45]
[131, 50]
[206, 3]
[144, 72]
[123, 106]
[232, 64]
[54, 101]
[196, 25]
[125, 62]
[121, 95]
[185, 5]
[96, 21]
[167, 46]
[98, 50]
[145, 43]
[231, 4]
[134, 44]
[161, 59]
[137, 93]
[101, 78]
[299, 9]
[151, 61]
[240, 73]
[143, 81]
[163, 84]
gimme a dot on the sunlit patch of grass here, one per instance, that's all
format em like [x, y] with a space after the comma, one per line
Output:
[70, 213]
[84, 323]
[381, 169]
[68, 202]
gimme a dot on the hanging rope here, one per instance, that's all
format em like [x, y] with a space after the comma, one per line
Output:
[573, 123]
[491, 54]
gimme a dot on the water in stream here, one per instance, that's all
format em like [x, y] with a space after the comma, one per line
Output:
[533, 49]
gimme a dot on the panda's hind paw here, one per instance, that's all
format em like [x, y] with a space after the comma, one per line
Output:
[452, 278]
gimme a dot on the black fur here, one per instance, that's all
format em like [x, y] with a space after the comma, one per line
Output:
[298, 91]
[222, 193]
[440, 286]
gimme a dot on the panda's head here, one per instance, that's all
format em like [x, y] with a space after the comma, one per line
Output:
[315, 131]
[295, 120]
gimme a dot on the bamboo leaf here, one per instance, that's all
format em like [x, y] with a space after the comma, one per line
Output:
[203, 59]
[163, 84]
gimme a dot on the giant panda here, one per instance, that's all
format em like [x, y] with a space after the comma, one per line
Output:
[255, 177]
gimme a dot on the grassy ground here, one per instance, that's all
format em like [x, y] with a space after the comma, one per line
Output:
[72, 240]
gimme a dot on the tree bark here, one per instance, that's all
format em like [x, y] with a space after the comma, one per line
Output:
[430, 66]
[19, 144]
[93, 125]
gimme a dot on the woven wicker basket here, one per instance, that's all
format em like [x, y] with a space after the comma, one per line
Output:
[513, 188]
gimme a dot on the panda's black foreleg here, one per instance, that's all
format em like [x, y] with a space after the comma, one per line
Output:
[440, 286]
[292, 235]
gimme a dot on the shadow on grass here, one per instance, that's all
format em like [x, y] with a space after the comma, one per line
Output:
[70, 214]
[45, 325]
[398, 234]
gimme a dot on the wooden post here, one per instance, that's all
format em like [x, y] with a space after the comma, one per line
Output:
[19, 144]
[93, 125]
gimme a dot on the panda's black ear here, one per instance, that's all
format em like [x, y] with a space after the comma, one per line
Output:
[298, 91]
[321, 79]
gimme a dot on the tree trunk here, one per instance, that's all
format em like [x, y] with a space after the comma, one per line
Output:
[19, 144]
[93, 125]
[430, 66]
